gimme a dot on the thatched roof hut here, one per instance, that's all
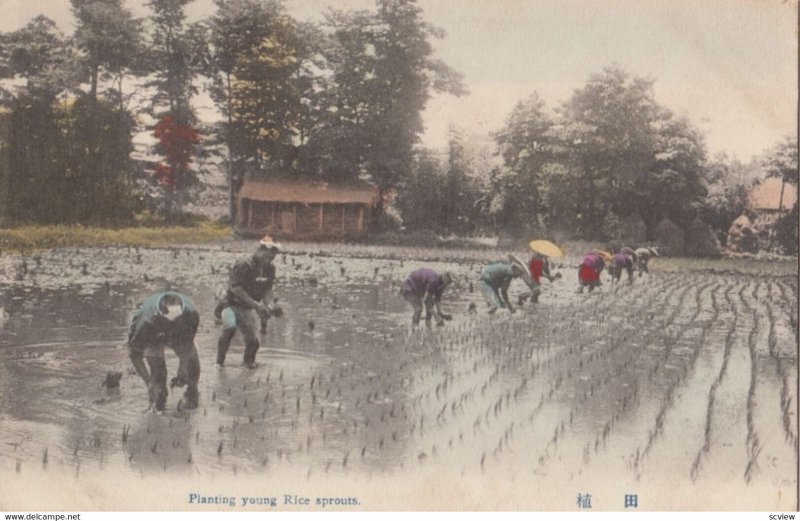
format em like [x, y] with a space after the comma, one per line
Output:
[305, 209]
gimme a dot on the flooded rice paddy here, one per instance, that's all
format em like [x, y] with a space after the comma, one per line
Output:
[684, 379]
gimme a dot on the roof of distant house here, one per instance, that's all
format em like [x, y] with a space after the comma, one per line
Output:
[766, 195]
[308, 191]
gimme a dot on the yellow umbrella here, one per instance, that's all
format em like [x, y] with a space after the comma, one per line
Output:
[546, 248]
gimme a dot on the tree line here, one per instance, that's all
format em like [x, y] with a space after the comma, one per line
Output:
[608, 163]
[340, 100]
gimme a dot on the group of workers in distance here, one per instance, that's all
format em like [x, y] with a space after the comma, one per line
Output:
[170, 318]
[425, 286]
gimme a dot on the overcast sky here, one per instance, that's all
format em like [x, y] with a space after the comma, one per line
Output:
[729, 65]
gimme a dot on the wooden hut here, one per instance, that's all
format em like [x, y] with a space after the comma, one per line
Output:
[305, 209]
[771, 196]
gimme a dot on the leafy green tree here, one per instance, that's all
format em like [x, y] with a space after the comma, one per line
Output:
[419, 195]
[613, 154]
[40, 53]
[726, 197]
[382, 74]
[260, 63]
[35, 144]
[781, 162]
[405, 75]
[101, 174]
[338, 142]
[608, 130]
[672, 185]
[172, 57]
[527, 144]
[267, 93]
[56, 178]
[70, 152]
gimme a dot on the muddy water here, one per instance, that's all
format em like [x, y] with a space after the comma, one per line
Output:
[671, 372]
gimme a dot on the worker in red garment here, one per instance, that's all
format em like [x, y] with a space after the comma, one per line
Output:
[590, 270]
[538, 267]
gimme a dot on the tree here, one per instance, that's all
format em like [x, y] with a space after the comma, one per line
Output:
[420, 194]
[70, 154]
[172, 58]
[726, 197]
[36, 148]
[382, 75]
[608, 129]
[109, 38]
[405, 74]
[781, 162]
[176, 142]
[255, 59]
[672, 184]
[39, 53]
[267, 93]
[527, 144]
[56, 177]
[337, 144]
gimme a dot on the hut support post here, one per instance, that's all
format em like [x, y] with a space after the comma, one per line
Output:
[343, 210]
[250, 214]
[321, 215]
[294, 218]
[360, 218]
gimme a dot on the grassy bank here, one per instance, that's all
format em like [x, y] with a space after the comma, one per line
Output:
[28, 239]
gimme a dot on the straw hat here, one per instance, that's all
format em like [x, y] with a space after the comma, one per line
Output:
[604, 254]
[267, 242]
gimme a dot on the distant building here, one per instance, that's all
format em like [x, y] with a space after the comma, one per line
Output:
[766, 203]
[765, 197]
[305, 209]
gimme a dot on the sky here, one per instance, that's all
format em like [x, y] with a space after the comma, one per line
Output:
[730, 66]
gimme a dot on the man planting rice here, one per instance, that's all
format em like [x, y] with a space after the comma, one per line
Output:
[494, 282]
[166, 318]
[251, 280]
[426, 286]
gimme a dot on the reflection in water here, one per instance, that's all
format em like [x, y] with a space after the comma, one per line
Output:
[59, 344]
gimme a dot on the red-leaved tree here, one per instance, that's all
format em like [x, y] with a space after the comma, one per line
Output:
[176, 142]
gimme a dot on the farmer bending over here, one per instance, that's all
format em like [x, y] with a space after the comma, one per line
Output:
[630, 252]
[166, 318]
[643, 256]
[494, 283]
[539, 266]
[250, 282]
[590, 270]
[425, 285]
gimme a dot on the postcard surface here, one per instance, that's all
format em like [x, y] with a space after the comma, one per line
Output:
[385, 255]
